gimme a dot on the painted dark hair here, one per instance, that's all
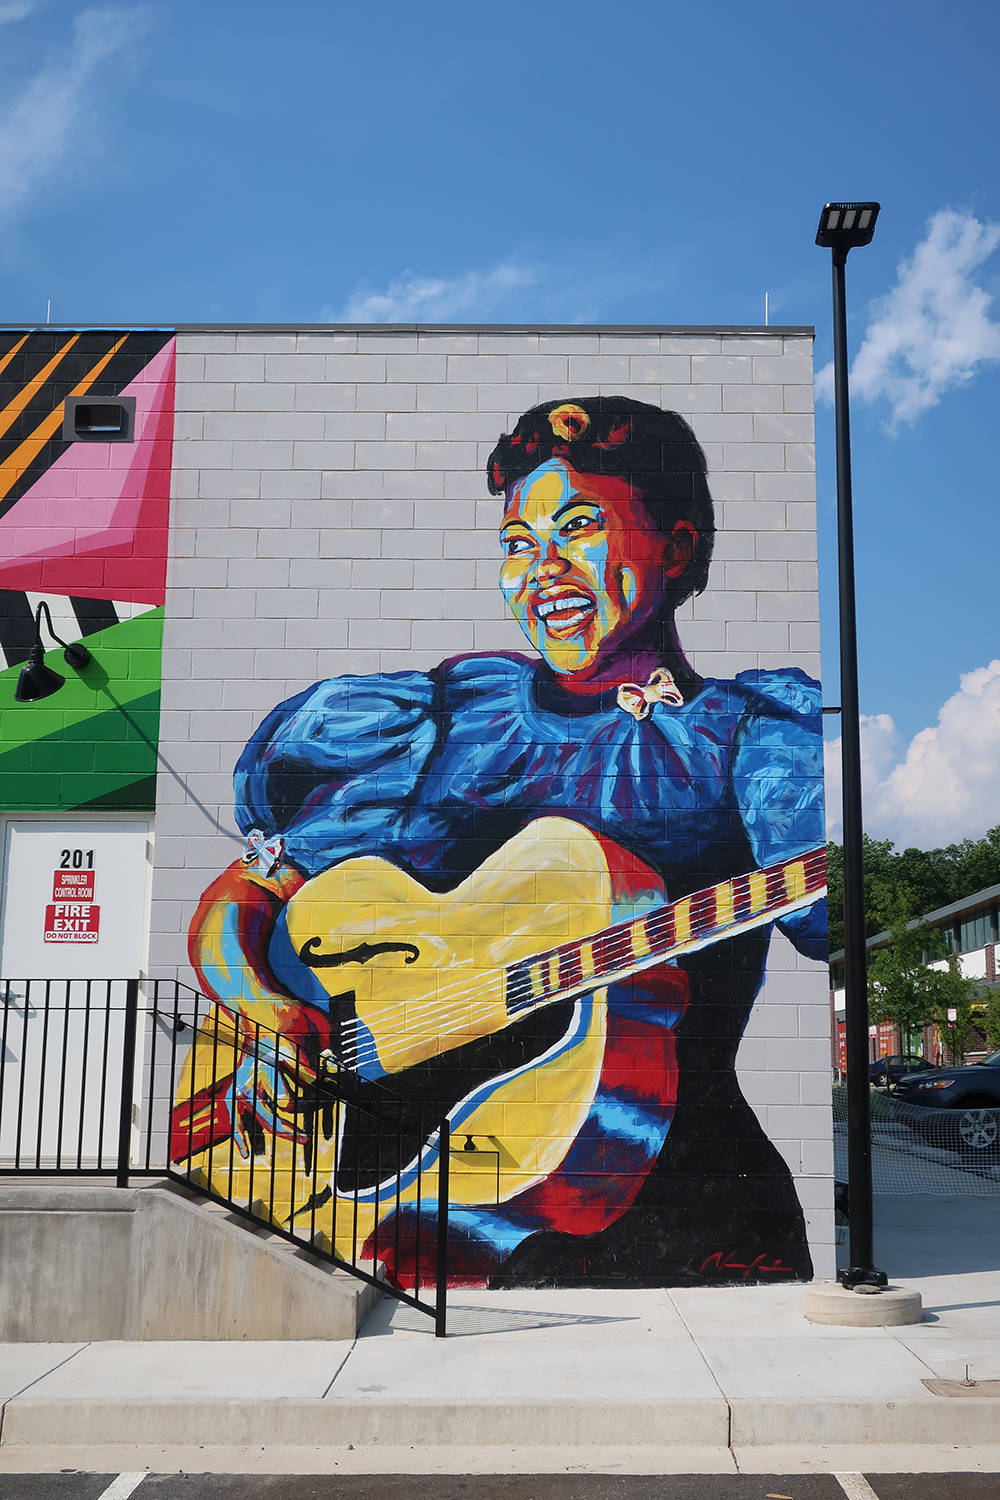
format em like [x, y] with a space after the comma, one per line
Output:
[654, 449]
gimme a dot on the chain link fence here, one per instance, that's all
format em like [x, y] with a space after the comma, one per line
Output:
[946, 1153]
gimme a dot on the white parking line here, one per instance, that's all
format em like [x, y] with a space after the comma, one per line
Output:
[854, 1486]
[122, 1487]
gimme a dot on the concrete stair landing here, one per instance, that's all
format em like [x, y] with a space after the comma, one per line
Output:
[93, 1262]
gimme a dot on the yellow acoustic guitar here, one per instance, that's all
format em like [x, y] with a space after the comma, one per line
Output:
[556, 914]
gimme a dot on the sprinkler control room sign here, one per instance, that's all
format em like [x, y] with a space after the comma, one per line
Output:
[72, 916]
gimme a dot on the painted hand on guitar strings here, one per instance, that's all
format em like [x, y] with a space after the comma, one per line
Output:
[263, 1101]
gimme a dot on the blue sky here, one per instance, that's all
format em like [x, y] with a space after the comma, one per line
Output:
[659, 163]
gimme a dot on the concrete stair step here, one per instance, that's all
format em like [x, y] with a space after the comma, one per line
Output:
[160, 1262]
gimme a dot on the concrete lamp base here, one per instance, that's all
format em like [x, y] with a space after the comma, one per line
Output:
[828, 1302]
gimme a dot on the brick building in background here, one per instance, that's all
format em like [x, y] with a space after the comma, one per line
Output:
[968, 930]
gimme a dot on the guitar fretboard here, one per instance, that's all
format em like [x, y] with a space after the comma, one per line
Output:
[683, 926]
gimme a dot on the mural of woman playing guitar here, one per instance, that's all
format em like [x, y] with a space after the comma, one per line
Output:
[538, 890]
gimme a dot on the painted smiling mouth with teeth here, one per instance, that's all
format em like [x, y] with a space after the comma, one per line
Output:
[566, 612]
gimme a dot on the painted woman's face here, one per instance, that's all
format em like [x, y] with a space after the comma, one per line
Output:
[583, 569]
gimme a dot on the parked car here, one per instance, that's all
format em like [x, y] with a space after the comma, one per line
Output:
[889, 1070]
[971, 1095]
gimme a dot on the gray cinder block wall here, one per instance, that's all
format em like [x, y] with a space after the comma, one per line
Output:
[330, 514]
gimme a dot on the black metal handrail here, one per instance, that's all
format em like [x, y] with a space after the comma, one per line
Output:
[114, 1077]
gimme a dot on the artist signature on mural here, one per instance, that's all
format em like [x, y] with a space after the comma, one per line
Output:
[725, 1260]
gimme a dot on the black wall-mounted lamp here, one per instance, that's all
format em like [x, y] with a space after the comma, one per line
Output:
[36, 680]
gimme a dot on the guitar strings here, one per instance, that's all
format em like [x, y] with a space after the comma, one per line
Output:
[616, 946]
[617, 939]
[362, 1052]
[620, 934]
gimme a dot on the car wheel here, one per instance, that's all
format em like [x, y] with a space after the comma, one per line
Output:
[882, 1081]
[978, 1129]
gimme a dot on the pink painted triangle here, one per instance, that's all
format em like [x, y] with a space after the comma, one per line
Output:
[95, 523]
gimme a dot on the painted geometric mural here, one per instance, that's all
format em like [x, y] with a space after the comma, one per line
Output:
[83, 526]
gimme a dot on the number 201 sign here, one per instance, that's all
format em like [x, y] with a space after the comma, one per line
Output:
[71, 917]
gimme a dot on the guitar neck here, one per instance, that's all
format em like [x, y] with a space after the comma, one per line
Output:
[696, 921]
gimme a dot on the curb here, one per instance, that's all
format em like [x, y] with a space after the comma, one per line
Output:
[424, 1425]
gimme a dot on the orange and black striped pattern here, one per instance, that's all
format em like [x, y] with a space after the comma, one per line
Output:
[38, 370]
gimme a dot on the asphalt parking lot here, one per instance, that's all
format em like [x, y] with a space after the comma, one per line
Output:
[75, 1486]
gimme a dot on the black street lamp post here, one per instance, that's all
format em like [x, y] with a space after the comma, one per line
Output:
[842, 227]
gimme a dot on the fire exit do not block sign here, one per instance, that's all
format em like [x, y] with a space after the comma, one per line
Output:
[71, 916]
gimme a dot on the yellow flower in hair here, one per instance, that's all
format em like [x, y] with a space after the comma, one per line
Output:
[569, 421]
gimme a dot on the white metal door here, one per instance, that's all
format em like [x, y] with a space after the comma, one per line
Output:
[75, 898]
[74, 915]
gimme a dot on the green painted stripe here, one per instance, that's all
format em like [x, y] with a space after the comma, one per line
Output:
[107, 758]
[137, 796]
[125, 668]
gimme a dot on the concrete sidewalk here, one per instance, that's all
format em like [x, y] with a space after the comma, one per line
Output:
[702, 1379]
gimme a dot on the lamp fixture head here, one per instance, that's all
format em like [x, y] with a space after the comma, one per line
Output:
[846, 226]
[35, 679]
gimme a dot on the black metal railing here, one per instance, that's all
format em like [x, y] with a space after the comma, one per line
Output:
[117, 1078]
[66, 1076]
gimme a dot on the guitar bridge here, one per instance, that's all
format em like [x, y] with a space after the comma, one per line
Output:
[474, 1162]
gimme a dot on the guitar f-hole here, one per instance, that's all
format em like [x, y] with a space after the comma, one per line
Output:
[362, 953]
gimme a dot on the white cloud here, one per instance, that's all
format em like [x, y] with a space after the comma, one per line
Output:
[17, 10]
[40, 122]
[879, 743]
[824, 383]
[933, 331]
[412, 298]
[947, 784]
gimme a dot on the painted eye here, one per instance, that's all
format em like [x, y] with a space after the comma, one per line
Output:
[513, 545]
[578, 523]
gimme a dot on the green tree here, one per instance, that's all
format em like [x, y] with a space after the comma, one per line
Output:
[919, 880]
[927, 876]
[887, 893]
[956, 1016]
[989, 1017]
[884, 884]
[976, 864]
[901, 988]
[835, 896]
